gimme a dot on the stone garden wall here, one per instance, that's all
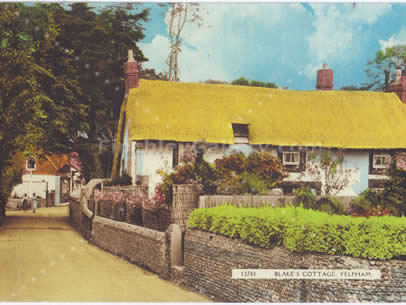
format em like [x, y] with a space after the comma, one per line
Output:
[145, 247]
[210, 258]
[159, 252]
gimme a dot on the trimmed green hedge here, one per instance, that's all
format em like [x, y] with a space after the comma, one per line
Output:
[304, 230]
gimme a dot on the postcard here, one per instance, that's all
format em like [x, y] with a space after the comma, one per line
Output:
[202, 152]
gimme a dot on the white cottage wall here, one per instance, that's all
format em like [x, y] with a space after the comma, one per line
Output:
[37, 184]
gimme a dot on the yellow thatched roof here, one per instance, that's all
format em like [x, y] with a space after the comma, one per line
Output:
[189, 112]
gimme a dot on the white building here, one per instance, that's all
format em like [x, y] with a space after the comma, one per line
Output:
[53, 176]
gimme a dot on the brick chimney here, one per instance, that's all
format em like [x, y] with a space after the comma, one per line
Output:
[131, 73]
[398, 85]
[325, 78]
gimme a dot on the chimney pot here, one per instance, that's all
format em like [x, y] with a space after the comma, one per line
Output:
[325, 78]
[130, 56]
[398, 76]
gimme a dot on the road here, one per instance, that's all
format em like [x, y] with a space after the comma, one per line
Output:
[42, 258]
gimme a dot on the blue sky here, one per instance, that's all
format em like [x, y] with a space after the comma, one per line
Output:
[279, 42]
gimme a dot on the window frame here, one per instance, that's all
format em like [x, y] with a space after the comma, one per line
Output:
[297, 153]
[30, 168]
[240, 133]
[302, 159]
[375, 157]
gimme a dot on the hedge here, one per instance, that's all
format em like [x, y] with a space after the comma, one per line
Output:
[304, 230]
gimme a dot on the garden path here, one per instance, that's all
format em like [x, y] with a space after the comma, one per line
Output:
[43, 259]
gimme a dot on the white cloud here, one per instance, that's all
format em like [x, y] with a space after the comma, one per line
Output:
[228, 41]
[310, 71]
[396, 39]
[258, 39]
[156, 52]
[338, 29]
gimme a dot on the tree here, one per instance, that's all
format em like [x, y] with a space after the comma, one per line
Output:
[97, 42]
[380, 69]
[32, 118]
[355, 88]
[178, 15]
[328, 171]
[242, 81]
[215, 82]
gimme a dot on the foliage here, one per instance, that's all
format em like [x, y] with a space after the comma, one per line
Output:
[365, 201]
[355, 88]
[230, 184]
[305, 197]
[233, 174]
[253, 184]
[242, 81]
[39, 108]
[215, 82]
[326, 168]
[122, 180]
[329, 205]
[373, 212]
[303, 230]
[383, 65]
[236, 162]
[137, 199]
[267, 167]
[394, 194]
[206, 176]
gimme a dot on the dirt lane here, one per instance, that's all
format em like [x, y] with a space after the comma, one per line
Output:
[43, 259]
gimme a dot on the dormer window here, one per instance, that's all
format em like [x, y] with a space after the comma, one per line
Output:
[240, 133]
[30, 164]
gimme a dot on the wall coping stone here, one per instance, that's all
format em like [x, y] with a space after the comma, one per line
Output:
[145, 232]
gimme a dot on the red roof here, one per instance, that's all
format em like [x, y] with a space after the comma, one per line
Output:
[54, 165]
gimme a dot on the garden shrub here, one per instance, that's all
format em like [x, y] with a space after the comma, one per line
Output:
[305, 197]
[266, 167]
[252, 184]
[236, 162]
[122, 180]
[370, 203]
[230, 175]
[229, 184]
[394, 194]
[329, 205]
[304, 230]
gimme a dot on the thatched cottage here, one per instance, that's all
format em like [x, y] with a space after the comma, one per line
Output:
[161, 119]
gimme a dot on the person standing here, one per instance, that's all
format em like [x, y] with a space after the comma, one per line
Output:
[25, 202]
[34, 202]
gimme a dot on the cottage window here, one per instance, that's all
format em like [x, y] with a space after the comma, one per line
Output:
[240, 133]
[31, 164]
[381, 161]
[291, 158]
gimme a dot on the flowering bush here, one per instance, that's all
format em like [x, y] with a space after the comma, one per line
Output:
[159, 196]
[236, 162]
[136, 199]
[378, 211]
[267, 167]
